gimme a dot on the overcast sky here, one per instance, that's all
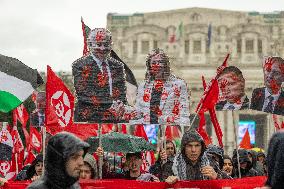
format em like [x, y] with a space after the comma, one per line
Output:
[48, 32]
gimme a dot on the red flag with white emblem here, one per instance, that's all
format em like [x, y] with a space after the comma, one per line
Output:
[59, 104]
[35, 139]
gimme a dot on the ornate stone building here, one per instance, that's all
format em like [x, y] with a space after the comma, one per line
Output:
[197, 40]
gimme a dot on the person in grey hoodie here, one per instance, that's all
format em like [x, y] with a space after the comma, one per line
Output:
[89, 170]
[63, 160]
[192, 163]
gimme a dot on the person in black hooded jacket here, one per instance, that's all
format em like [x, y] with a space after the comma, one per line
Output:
[63, 160]
[246, 166]
[275, 161]
[36, 169]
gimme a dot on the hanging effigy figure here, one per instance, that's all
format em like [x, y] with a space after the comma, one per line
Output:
[99, 81]
[162, 97]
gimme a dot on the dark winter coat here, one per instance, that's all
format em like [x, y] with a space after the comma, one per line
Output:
[249, 171]
[60, 147]
[256, 164]
[162, 170]
[31, 170]
[275, 161]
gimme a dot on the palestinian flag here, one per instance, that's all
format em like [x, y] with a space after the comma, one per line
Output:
[17, 82]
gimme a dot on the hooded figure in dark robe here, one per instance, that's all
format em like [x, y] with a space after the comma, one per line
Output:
[60, 149]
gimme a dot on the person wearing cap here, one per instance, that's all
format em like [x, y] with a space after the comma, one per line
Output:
[63, 161]
[134, 162]
[192, 163]
[99, 82]
[246, 166]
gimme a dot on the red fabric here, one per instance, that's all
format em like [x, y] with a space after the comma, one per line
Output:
[59, 104]
[30, 157]
[85, 50]
[202, 123]
[148, 157]
[7, 168]
[35, 140]
[123, 129]
[202, 129]
[21, 114]
[18, 149]
[217, 127]
[172, 132]
[245, 143]
[244, 183]
[207, 102]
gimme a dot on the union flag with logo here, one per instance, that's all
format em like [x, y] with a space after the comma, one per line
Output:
[59, 104]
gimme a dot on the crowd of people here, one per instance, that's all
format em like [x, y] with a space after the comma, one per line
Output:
[67, 160]
[162, 99]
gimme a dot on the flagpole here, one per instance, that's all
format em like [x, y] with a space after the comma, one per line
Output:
[100, 145]
[17, 166]
[43, 144]
[236, 139]
[198, 110]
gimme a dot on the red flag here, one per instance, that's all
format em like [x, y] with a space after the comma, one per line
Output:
[21, 114]
[7, 165]
[172, 133]
[18, 150]
[148, 157]
[59, 104]
[275, 120]
[245, 143]
[35, 140]
[207, 102]
[202, 123]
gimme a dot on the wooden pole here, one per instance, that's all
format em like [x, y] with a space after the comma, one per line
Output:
[234, 116]
[43, 144]
[100, 145]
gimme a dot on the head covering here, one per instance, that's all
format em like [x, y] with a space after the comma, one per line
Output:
[275, 161]
[137, 154]
[192, 136]
[59, 149]
[214, 149]
[31, 170]
[93, 164]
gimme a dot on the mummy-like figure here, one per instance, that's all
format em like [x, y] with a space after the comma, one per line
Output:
[99, 81]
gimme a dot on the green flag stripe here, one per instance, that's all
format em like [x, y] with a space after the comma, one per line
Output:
[8, 101]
